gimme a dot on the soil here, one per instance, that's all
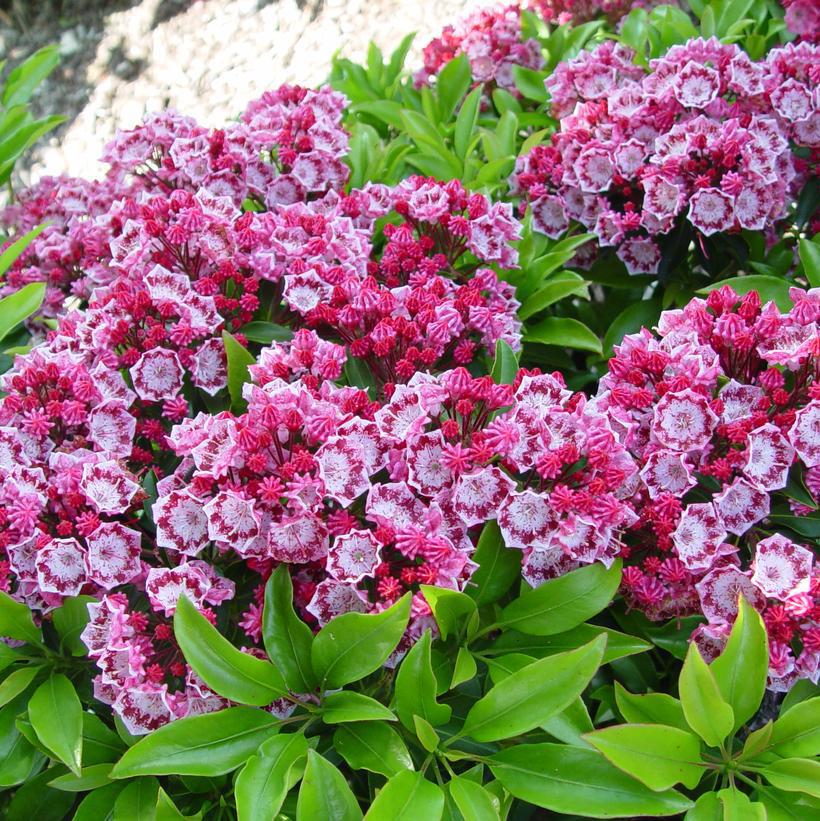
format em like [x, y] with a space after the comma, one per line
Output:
[206, 58]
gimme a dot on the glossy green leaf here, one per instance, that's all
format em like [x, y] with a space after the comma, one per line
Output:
[352, 645]
[98, 804]
[505, 365]
[89, 779]
[810, 257]
[658, 755]
[571, 724]
[17, 755]
[264, 781]
[797, 732]
[56, 715]
[24, 78]
[473, 801]
[233, 674]
[569, 284]
[100, 744]
[16, 621]
[794, 775]
[741, 669]
[643, 314]
[737, 806]
[325, 793]
[563, 603]
[373, 746]
[756, 742]
[70, 620]
[287, 638]
[238, 359]
[498, 567]
[426, 734]
[464, 668]
[138, 800]
[651, 708]
[166, 809]
[579, 781]
[266, 332]
[705, 710]
[527, 698]
[563, 332]
[530, 83]
[351, 706]
[35, 800]
[210, 744]
[707, 808]
[450, 607]
[407, 796]
[466, 122]
[415, 691]
[17, 682]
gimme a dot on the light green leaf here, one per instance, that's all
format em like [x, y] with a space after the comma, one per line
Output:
[451, 86]
[505, 365]
[658, 755]
[571, 724]
[473, 801]
[266, 332]
[797, 731]
[350, 706]
[16, 621]
[233, 674]
[794, 775]
[373, 746]
[407, 796]
[810, 257]
[466, 121]
[89, 779]
[415, 692]
[741, 669]
[287, 638]
[705, 710]
[527, 698]
[138, 800]
[325, 793]
[651, 708]
[450, 607]
[16, 682]
[56, 715]
[352, 645]
[24, 79]
[556, 289]
[579, 781]
[563, 603]
[211, 744]
[737, 807]
[564, 332]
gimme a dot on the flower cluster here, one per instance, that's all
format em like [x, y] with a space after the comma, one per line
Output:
[492, 40]
[722, 413]
[803, 18]
[702, 135]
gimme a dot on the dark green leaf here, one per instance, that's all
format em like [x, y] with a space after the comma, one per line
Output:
[325, 793]
[16, 682]
[210, 744]
[407, 796]
[238, 359]
[98, 804]
[505, 366]
[416, 687]
[17, 755]
[579, 781]
[138, 800]
[70, 620]
[233, 674]
[266, 332]
[643, 314]
[36, 801]
[563, 603]
[287, 638]
[16, 621]
[56, 715]
[373, 746]
[353, 645]
[498, 566]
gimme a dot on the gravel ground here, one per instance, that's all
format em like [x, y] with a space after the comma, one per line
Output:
[206, 58]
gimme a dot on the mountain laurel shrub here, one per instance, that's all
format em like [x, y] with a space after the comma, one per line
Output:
[441, 443]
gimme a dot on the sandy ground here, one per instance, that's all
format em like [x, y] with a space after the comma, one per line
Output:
[206, 58]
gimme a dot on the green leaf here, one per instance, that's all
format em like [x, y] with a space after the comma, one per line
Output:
[349, 706]
[737, 807]
[563, 332]
[707, 808]
[452, 84]
[498, 566]
[797, 731]
[266, 332]
[166, 809]
[415, 692]
[17, 755]
[527, 698]
[426, 734]
[464, 668]
[579, 781]
[16, 621]
[794, 775]
[530, 83]
[810, 257]
[472, 800]
[373, 746]
[22, 81]
[466, 122]
[505, 365]
[618, 645]
[266, 778]
[287, 638]
[407, 796]
[70, 620]
[233, 674]
[450, 607]
[137, 800]
[100, 744]
[571, 724]
[98, 804]
[16, 682]
[756, 742]
[563, 603]
[771, 289]
[555, 290]
[786, 806]
[8, 256]
[211, 744]
[643, 314]
[89, 779]
[36, 801]
[238, 359]
[705, 710]
[325, 793]
[352, 645]
[651, 708]
[56, 715]
[741, 669]
[658, 755]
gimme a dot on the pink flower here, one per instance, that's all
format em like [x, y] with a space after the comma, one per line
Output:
[781, 568]
[157, 375]
[683, 421]
[113, 555]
